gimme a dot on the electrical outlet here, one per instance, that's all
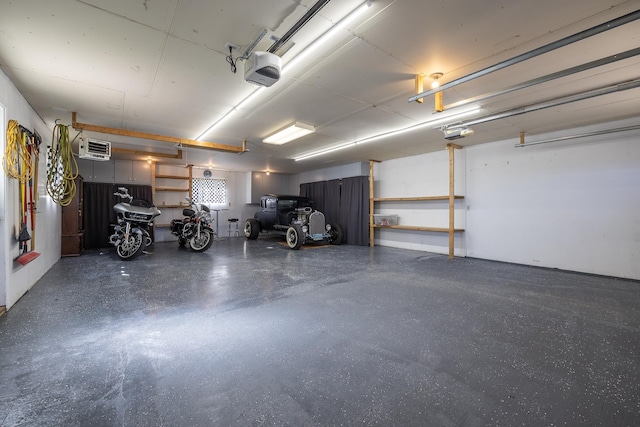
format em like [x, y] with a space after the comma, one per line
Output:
[231, 46]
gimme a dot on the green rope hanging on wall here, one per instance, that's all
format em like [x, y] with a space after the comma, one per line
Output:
[62, 168]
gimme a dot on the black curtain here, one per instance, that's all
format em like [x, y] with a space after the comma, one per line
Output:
[331, 205]
[343, 201]
[314, 191]
[354, 210]
[98, 210]
[97, 214]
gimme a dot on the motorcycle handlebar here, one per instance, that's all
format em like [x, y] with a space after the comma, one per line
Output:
[124, 195]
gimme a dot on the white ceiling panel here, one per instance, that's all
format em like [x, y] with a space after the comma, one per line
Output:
[160, 66]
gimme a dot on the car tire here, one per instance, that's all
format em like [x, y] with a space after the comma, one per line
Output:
[295, 238]
[251, 229]
[336, 234]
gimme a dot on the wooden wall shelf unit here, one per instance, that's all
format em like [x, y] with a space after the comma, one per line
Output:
[170, 184]
[451, 230]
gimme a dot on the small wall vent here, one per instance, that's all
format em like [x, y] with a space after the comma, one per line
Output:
[94, 149]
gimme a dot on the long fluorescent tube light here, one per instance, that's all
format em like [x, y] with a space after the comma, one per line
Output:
[428, 123]
[296, 60]
[293, 131]
[326, 36]
[229, 113]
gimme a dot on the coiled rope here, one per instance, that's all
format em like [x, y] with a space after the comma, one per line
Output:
[17, 158]
[63, 167]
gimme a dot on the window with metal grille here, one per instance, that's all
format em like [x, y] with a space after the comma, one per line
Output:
[209, 191]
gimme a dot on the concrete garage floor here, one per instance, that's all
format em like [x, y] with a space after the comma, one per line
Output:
[252, 333]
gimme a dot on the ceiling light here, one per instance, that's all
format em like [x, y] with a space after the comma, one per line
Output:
[293, 131]
[428, 123]
[435, 77]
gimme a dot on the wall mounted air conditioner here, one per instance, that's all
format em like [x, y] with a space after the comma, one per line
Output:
[94, 150]
[262, 68]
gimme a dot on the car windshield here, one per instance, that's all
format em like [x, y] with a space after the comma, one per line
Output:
[292, 203]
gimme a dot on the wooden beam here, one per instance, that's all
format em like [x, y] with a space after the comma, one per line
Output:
[147, 153]
[438, 102]
[419, 87]
[155, 137]
[451, 199]
[371, 200]
[371, 203]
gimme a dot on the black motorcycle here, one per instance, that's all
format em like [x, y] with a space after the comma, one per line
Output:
[135, 219]
[195, 228]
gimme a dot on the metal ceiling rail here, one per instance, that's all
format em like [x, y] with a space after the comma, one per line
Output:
[619, 87]
[299, 24]
[582, 135]
[617, 22]
[549, 77]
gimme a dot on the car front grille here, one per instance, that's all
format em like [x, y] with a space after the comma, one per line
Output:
[316, 225]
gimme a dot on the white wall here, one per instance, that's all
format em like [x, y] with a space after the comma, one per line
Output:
[335, 172]
[420, 176]
[18, 279]
[571, 205]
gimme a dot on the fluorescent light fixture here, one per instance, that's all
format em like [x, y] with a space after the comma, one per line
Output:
[294, 61]
[289, 133]
[428, 123]
[326, 36]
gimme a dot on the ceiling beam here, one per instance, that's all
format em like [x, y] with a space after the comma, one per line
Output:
[184, 142]
[147, 153]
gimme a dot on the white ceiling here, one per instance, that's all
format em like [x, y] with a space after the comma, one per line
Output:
[159, 66]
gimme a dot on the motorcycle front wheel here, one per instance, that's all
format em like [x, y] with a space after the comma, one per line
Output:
[130, 248]
[202, 243]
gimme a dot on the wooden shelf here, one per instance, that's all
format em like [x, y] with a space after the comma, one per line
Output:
[184, 190]
[413, 199]
[172, 176]
[418, 228]
[170, 198]
[451, 197]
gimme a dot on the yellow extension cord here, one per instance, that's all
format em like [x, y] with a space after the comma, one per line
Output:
[63, 167]
[17, 159]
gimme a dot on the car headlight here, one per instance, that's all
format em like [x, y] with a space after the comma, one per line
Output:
[305, 229]
[328, 227]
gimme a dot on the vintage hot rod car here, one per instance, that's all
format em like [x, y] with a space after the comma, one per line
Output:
[293, 217]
